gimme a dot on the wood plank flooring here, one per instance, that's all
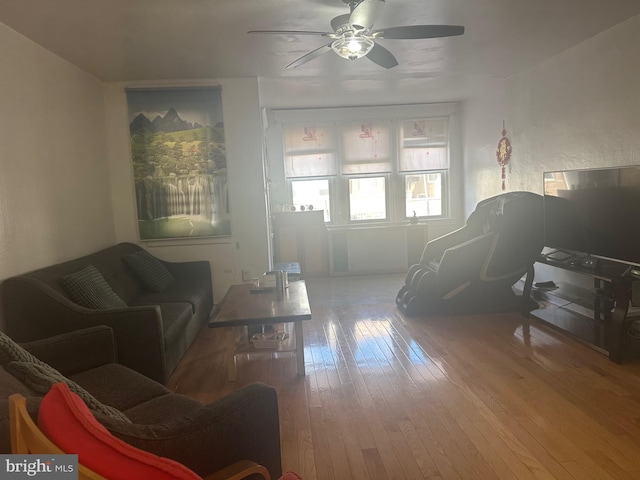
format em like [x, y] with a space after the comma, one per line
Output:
[464, 397]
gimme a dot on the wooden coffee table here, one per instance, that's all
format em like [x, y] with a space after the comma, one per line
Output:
[241, 307]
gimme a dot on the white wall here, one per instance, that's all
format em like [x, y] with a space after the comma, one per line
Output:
[482, 116]
[246, 248]
[578, 109]
[54, 201]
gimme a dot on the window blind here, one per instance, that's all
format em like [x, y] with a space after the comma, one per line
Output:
[309, 150]
[366, 147]
[424, 145]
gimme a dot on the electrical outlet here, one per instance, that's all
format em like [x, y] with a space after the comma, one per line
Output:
[246, 276]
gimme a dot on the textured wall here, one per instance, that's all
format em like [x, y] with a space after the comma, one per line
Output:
[578, 109]
[55, 200]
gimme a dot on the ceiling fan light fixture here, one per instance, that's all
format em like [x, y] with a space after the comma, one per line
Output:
[352, 48]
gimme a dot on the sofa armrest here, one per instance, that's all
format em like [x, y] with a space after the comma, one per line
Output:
[25, 298]
[242, 425]
[463, 262]
[139, 337]
[76, 351]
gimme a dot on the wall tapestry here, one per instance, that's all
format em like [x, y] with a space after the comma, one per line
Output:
[179, 162]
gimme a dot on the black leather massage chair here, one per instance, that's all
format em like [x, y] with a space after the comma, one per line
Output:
[473, 269]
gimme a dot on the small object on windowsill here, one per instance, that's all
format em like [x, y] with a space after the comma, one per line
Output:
[414, 219]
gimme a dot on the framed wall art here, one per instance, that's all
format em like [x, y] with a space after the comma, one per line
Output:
[179, 162]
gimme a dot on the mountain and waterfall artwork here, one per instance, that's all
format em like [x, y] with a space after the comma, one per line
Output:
[179, 162]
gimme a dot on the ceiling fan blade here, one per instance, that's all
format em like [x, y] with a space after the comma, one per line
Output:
[382, 56]
[419, 31]
[340, 20]
[366, 13]
[291, 32]
[310, 56]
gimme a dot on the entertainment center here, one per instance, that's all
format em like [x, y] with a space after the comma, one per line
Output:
[596, 315]
[592, 242]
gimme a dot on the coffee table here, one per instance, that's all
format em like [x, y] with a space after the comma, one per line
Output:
[241, 308]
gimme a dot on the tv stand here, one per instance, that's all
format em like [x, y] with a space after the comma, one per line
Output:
[596, 316]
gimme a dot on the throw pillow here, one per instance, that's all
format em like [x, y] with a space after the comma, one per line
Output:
[40, 377]
[10, 351]
[290, 476]
[65, 419]
[87, 287]
[149, 270]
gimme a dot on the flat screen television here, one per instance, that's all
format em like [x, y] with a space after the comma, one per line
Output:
[594, 212]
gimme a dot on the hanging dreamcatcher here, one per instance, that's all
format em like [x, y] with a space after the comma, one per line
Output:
[503, 154]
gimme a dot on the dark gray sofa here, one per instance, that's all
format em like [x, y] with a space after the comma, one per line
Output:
[205, 438]
[152, 332]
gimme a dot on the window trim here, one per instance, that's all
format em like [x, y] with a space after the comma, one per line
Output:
[452, 180]
[443, 187]
[330, 181]
[387, 198]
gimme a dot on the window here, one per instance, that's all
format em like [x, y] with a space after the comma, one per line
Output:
[367, 198]
[314, 193]
[366, 164]
[423, 194]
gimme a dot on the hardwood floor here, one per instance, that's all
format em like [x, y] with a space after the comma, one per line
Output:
[465, 397]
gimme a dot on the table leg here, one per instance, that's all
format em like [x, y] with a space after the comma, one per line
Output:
[231, 354]
[617, 324]
[297, 327]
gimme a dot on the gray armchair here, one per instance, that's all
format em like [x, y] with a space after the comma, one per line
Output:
[204, 437]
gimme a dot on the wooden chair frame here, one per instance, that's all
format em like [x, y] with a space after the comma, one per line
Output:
[27, 438]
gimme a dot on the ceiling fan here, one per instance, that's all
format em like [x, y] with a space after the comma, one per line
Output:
[353, 37]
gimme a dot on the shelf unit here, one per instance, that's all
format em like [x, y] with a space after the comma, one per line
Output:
[301, 237]
[595, 316]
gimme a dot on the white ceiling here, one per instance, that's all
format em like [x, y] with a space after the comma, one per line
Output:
[136, 40]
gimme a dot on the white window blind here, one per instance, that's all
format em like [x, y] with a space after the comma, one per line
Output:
[366, 147]
[424, 145]
[309, 151]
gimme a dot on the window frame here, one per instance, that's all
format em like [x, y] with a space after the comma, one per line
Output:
[395, 180]
[330, 180]
[387, 200]
[444, 192]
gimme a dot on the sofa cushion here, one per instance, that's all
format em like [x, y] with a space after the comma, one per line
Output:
[120, 386]
[9, 384]
[87, 287]
[149, 270]
[188, 289]
[290, 476]
[65, 419]
[40, 377]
